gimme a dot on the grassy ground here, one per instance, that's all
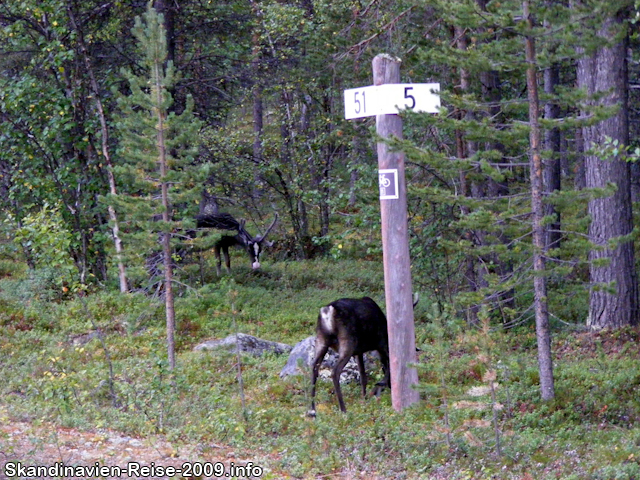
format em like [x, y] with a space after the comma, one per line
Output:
[480, 415]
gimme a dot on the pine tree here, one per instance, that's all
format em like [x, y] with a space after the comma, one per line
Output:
[602, 72]
[545, 360]
[158, 152]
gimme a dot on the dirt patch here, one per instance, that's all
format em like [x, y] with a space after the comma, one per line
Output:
[624, 342]
[24, 445]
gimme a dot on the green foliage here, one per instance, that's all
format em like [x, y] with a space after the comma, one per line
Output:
[157, 148]
[46, 241]
[297, 58]
[58, 372]
[46, 237]
[46, 134]
[138, 124]
[468, 174]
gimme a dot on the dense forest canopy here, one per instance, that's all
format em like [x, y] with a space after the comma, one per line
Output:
[264, 81]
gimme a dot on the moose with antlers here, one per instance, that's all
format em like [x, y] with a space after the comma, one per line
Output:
[243, 239]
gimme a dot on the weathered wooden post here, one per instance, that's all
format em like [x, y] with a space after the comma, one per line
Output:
[385, 98]
[395, 247]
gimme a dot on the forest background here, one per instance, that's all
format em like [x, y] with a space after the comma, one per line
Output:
[252, 95]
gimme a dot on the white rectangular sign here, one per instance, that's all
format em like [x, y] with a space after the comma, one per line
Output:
[388, 184]
[391, 98]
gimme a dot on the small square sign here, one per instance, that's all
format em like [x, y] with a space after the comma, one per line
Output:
[388, 183]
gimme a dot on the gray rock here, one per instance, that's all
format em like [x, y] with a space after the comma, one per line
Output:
[303, 353]
[248, 344]
[301, 359]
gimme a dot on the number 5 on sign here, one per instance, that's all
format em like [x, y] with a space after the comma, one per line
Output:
[391, 98]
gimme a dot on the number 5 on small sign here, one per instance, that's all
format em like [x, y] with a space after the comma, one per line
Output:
[407, 91]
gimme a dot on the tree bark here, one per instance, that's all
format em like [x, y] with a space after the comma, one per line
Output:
[545, 360]
[166, 217]
[395, 246]
[463, 150]
[552, 170]
[604, 72]
[256, 94]
[167, 9]
[106, 154]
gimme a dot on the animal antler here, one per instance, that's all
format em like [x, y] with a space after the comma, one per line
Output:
[261, 238]
[221, 221]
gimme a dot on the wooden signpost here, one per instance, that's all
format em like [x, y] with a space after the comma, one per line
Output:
[385, 99]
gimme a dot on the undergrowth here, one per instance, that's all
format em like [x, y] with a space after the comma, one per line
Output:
[99, 361]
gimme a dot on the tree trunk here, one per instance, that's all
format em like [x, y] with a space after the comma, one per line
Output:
[330, 150]
[552, 165]
[258, 111]
[395, 246]
[545, 360]
[463, 149]
[257, 123]
[115, 228]
[296, 204]
[166, 8]
[604, 72]
[166, 217]
[552, 170]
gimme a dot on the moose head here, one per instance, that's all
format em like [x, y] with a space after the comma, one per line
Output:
[252, 245]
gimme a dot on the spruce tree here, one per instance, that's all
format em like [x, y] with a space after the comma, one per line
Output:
[496, 121]
[157, 149]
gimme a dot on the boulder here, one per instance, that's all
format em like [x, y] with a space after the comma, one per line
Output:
[301, 359]
[248, 344]
[303, 352]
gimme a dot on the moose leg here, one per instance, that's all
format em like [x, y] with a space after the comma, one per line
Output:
[227, 260]
[386, 382]
[218, 260]
[321, 351]
[337, 370]
[363, 375]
